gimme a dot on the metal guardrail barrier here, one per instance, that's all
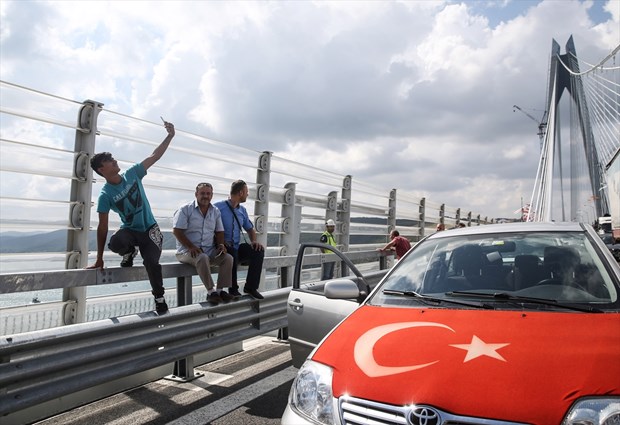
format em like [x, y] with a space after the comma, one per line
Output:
[44, 365]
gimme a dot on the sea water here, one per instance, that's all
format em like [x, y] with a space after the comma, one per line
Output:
[27, 263]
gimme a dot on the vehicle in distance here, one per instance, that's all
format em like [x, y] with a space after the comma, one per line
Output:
[500, 324]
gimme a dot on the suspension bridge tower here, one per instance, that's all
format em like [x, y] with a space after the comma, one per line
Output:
[574, 185]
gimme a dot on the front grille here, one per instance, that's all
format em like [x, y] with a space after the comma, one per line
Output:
[357, 411]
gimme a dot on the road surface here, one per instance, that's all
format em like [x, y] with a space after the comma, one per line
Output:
[249, 388]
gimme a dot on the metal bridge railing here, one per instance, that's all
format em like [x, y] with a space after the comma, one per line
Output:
[56, 348]
[46, 149]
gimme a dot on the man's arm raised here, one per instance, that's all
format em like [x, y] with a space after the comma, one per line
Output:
[159, 150]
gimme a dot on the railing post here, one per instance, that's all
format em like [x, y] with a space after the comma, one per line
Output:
[184, 290]
[184, 368]
[458, 216]
[331, 212]
[345, 220]
[469, 219]
[422, 217]
[391, 218]
[289, 240]
[79, 207]
[391, 225]
[261, 206]
[442, 214]
[344, 215]
[291, 229]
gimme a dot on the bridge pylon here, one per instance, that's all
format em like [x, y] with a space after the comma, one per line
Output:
[584, 185]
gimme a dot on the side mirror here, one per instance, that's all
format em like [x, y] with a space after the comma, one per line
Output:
[341, 289]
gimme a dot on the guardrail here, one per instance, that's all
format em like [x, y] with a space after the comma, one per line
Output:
[42, 371]
[53, 363]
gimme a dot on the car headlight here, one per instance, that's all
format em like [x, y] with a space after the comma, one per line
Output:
[594, 411]
[311, 393]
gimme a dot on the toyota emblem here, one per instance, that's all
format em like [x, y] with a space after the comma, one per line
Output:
[424, 416]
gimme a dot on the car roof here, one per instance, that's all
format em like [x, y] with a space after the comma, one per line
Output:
[518, 227]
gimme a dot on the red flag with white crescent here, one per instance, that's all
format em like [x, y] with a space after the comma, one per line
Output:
[511, 365]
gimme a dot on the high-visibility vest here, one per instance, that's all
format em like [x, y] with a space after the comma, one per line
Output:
[330, 238]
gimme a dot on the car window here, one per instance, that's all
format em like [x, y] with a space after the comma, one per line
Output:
[563, 266]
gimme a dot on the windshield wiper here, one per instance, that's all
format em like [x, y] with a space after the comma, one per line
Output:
[425, 298]
[504, 296]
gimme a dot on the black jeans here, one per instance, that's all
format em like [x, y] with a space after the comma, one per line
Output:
[246, 255]
[150, 244]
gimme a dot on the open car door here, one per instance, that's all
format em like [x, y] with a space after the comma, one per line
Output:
[311, 315]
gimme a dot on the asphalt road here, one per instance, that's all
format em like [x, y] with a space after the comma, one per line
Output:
[250, 387]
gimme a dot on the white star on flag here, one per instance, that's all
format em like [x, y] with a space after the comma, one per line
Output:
[478, 347]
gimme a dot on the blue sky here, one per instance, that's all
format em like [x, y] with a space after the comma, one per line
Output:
[502, 11]
[424, 86]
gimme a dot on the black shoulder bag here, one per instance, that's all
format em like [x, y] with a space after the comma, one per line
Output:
[245, 248]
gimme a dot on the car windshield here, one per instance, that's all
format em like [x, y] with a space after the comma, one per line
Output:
[505, 268]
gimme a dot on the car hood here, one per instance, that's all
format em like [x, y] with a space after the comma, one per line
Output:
[511, 365]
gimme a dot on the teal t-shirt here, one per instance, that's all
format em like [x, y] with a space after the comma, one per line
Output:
[128, 200]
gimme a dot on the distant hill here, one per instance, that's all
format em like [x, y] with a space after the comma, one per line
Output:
[16, 242]
[56, 241]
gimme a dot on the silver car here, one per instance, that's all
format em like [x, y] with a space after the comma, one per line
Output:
[500, 324]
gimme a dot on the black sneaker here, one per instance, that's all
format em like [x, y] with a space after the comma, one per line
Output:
[226, 297]
[254, 293]
[127, 260]
[214, 298]
[160, 305]
[234, 292]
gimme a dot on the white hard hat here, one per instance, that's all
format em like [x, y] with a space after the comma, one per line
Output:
[330, 222]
